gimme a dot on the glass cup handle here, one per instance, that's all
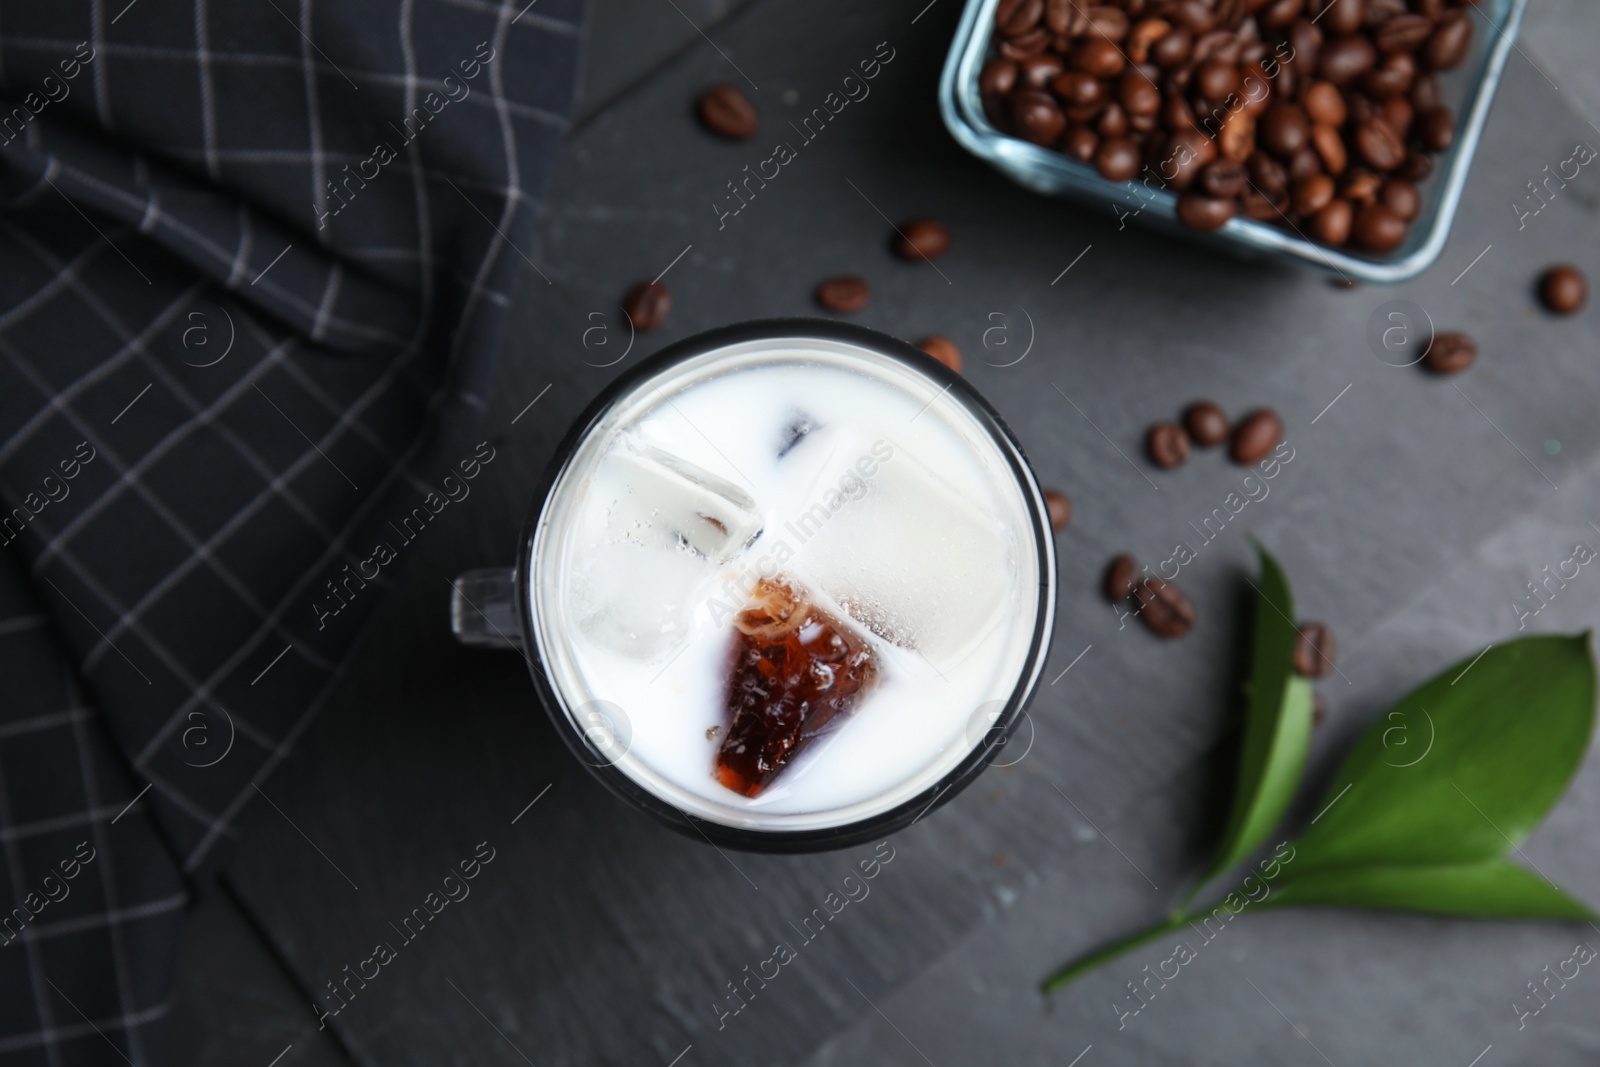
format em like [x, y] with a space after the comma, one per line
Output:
[483, 609]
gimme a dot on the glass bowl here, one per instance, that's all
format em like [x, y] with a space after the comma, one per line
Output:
[1468, 90]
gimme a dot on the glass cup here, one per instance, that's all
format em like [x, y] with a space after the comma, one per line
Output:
[529, 608]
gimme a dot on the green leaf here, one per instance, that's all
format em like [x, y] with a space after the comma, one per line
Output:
[1461, 770]
[1277, 729]
[1492, 890]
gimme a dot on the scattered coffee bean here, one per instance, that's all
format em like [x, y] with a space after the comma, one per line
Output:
[845, 294]
[728, 112]
[942, 349]
[1059, 507]
[1122, 574]
[1206, 422]
[1167, 444]
[1169, 88]
[647, 304]
[1314, 650]
[1256, 435]
[1163, 608]
[922, 239]
[1450, 353]
[1563, 289]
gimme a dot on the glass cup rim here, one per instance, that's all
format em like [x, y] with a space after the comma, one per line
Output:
[983, 751]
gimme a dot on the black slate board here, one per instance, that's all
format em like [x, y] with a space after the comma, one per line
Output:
[596, 937]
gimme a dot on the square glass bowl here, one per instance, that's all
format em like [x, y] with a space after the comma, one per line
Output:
[1468, 90]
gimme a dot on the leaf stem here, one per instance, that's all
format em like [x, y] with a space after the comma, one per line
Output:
[1116, 948]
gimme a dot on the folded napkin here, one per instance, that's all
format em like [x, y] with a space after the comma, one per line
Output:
[253, 263]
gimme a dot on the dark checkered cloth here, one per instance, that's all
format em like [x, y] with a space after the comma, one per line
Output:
[254, 257]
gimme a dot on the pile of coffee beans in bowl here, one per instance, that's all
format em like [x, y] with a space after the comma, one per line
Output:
[1320, 116]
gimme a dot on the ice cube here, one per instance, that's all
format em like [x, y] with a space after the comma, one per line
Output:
[668, 500]
[903, 552]
[657, 528]
[795, 670]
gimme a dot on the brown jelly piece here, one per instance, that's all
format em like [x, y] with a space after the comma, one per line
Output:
[795, 670]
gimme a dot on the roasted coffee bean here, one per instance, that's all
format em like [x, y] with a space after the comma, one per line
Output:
[942, 349]
[1205, 212]
[1099, 57]
[1563, 289]
[1122, 574]
[1402, 198]
[1436, 129]
[1381, 11]
[1448, 45]
[1256, 436]
[998, 77]
[1378, 229]
[1396, 112]
[1059, 507]
[1187, 154]
[1431, 8]
[1379, 145]
[1283, 129]
[1220, 45]
[1450, 353]
[1217, 79]
[1014, 19]
[1163, 608]
[1425, 94]
[1167, 444]
[1314, 650]
[1278, 14]
[1341, 17]
[1138, 94]
[1330, 147]
[1344, 59]
[1079, 89]
[1312, 194]
[922, 239]
[1305, 163]
[1392, 77]
[1267, 174]
[1195, 14]
[1331, 225]
[1254, 205]
[1305, 42]
[728, 112]
[1360, 186]
[1176, 114]
[1237, 138]
[845, 294]
[1037, 72]
[1061, 15]
[1113, 122]
[1108, 22]
[1325, 103]
[1225, 178]
[1036, 118]
[1117, 160]
[1403, 33]
[1256, 87]
[1145, 33]
[1172, 50]
[1418, 165]
[1080, 143]
[1206, 423]
[647, 304]
[1029, 44]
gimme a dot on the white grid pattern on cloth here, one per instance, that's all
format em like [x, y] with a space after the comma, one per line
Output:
[373, 335]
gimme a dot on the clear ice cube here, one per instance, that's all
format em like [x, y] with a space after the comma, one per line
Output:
[654, 546]
[903, 552]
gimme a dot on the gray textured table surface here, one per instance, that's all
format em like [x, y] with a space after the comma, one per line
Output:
[1410, 518]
